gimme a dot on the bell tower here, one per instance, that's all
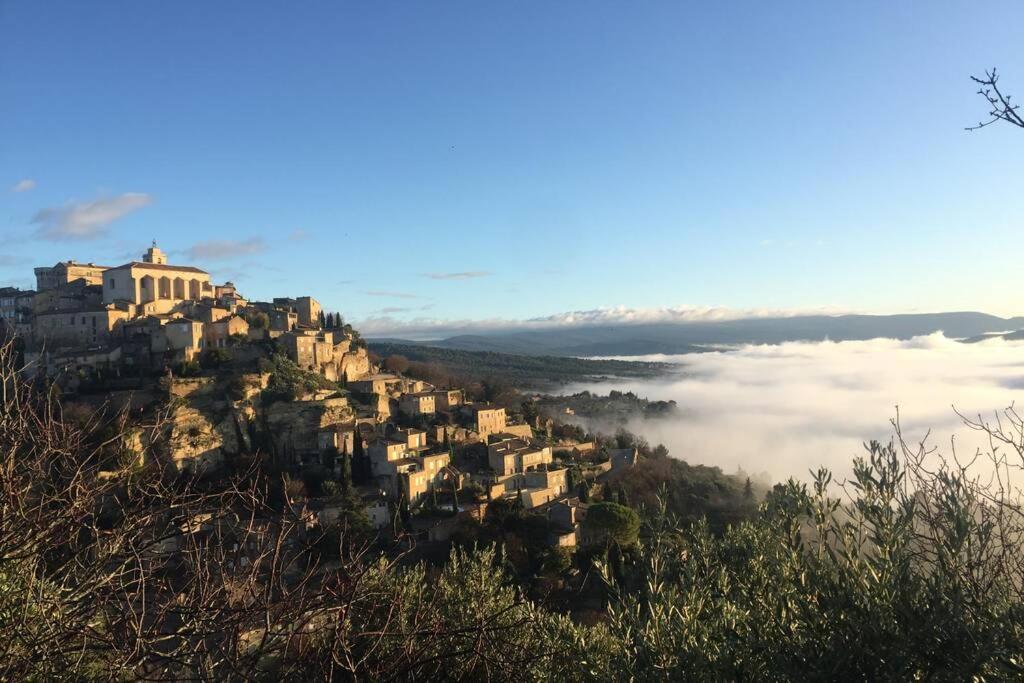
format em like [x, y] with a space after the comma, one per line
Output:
[154, 255]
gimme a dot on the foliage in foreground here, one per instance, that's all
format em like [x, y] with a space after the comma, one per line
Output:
[108, 571]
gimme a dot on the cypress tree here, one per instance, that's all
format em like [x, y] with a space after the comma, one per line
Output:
[584, 492]
[322, 320]
[455, 496]
[346, 473]
[403, 512]
[360, 464]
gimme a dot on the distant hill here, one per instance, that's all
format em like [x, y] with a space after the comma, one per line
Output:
[690, 337]
[520, 371]
[1008, 336]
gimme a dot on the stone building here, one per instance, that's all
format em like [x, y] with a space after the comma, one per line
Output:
[184, 336]
[218, 333]
[15, 304]
[489, 419]
[423, 474]
[153, 285]
[77, 328]
[306, 308]
[446, 399]
[420, 403]
[380, 384]
[311, 350]
[75, 296]
[514, 455]
[384, 452]
[66, 272]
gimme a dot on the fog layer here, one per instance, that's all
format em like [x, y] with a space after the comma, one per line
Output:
[784, 409]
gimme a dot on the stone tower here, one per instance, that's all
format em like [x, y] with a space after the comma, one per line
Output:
[154, 255]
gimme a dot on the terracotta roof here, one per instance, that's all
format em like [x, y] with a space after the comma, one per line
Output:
[160, 266]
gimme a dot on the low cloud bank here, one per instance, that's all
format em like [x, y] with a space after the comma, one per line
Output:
[788, 408]
[435, 328]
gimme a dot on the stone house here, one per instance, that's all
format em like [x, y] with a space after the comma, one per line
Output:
[522, 431]
[75, 296]
[185, 337]
[77, 328]
[53, 362]
[207, 313]
[446, 399]
[513, 455]
[420, 403]
[380, 384]
[488, 419]
[545, 478]
[282, 321]
[425, 473]
[384, 452]
[219, 333]
[66, 272]
[306, 308]
[340, 437]
[15, 305]
[311, 350]
[415, 439]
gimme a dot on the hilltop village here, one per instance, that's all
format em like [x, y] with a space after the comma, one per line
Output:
[215, 382]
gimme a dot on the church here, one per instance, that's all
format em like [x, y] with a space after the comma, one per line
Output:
[153, 285]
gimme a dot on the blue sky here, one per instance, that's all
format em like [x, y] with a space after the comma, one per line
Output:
[473, 160]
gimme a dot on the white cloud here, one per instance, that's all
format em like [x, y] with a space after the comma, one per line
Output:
[86, 220]
[465, 275]
[392, 295]
[785, 409]
[24, 185]
[223, 250]
[617, 315]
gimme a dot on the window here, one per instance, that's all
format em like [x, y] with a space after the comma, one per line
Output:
[113, 283]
